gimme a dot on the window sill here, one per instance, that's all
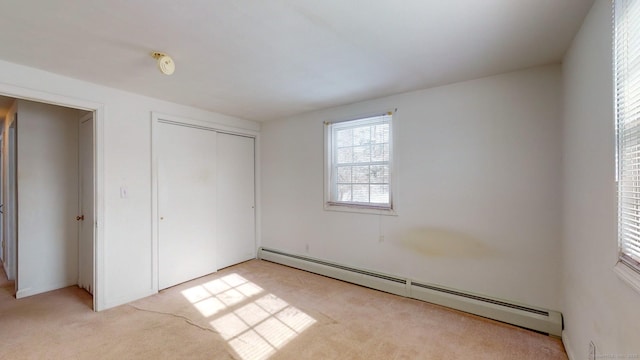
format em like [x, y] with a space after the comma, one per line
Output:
[360, 209]
[628, 275]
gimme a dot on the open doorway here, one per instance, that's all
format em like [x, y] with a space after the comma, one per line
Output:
[48, 216]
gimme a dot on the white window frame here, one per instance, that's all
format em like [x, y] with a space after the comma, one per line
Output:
[627, 126]
[364, 208]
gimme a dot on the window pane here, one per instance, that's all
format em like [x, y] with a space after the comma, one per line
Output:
[359, 156]
[380, 152]
[361, 193]
[627, 76]
[344, 193]
[362, 135]
[381, 133]
[344, 174]
[361, 174]
[379, 174]
[362, 154]
[380, 194]
[345, 155]
[344, 137]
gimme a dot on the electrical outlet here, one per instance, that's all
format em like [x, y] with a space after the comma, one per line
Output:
[381, 238]
[306, 248]
[592, 351]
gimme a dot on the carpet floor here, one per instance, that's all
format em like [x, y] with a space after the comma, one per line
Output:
[257, 310]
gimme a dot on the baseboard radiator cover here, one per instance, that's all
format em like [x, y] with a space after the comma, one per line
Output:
[382, 282]
[546, 321]
[541, 320]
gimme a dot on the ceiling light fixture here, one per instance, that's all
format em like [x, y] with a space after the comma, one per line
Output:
[165, 63]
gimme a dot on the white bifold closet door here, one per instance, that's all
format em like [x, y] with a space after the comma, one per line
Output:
[206, 201]
[187, 195]
[236, 199]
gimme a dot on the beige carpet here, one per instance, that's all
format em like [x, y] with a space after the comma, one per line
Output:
[257, 310]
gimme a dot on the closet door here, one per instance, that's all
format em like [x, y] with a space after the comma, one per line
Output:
[187, 177]
[236, 199]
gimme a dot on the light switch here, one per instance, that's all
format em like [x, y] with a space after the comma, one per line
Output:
[124, 193]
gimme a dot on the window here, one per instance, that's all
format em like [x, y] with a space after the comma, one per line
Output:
[627, 106]
[359, 163]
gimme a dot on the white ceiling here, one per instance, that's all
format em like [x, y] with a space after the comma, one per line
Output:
[267, 59]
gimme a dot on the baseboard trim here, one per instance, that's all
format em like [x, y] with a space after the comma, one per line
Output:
[23, 293]
[538, 319]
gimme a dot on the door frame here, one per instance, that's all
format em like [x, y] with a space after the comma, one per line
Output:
[156, 119]
[98, 110]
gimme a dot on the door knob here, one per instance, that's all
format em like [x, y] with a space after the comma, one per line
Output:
[81, 217]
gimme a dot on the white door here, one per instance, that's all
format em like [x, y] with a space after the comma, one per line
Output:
[10, 208]
[47, 198]
[86, 220]
[2, 242]
[236, 199]
[186, 203]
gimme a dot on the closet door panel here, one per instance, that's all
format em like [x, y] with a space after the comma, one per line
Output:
[187, 212]
[236, 199]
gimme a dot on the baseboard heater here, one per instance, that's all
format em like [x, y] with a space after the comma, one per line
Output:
[541, 320]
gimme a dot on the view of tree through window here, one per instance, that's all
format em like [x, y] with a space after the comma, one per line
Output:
[360, 161]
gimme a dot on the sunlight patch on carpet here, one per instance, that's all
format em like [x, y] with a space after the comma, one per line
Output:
[254, 323]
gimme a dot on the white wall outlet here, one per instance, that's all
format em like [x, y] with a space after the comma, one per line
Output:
[381, 238]
[306, 248]
[592, 351]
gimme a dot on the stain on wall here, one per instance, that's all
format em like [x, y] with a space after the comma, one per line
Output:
[439, 242]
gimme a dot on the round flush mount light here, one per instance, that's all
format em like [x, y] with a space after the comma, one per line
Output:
[165, 63]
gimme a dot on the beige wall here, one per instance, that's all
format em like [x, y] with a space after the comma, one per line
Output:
[479, 188]
[597, 305]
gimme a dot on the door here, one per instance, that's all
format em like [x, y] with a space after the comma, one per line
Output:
[236, 199]
[47, 197]
[2, 242]
[10, 207]
[186, 203]
[86, 217]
